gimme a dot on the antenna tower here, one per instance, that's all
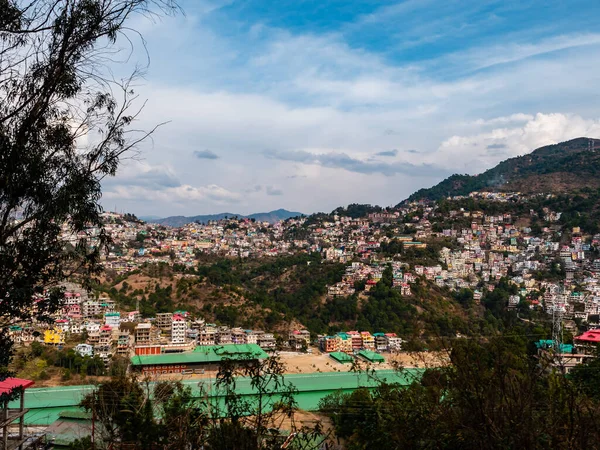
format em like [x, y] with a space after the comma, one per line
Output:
[557, 332]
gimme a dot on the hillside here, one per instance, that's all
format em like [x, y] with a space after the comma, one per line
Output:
[271, 217]
[564, 167]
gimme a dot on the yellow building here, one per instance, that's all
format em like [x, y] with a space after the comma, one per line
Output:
[54, 337]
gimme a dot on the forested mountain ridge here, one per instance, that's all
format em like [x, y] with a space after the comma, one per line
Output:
[564, 167]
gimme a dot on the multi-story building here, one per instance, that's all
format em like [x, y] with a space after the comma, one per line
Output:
[164, 322]
[62, 325]
[124, 344]
[134, 316]
[394, 343]
[178, 329]
[356, 339]
[91, 308]
[265, 340]
[330, 343]
[381, 342]
[112, 319]
[75, 327]
[54, 337]
[251, 337]
[345, 343]
[223, 336]
[207, 335]
[368, 341]
[105, 339]
[142, 333]
[238, 336]
[300, 334]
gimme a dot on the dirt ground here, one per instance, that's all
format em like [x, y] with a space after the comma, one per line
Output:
[322, 362]
[295, 363]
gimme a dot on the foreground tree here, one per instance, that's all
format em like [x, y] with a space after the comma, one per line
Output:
[250, 406]
[256, 421]
[54, 92]
[494, 395]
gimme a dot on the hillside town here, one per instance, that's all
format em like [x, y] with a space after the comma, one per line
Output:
[475, 255]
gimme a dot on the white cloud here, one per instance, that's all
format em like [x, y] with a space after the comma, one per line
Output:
[475, 153]
[478, 58]
[182, 193]
[143, 182]
[325, 108]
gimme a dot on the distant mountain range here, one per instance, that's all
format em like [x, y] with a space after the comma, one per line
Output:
[566, 167]
[179, 221]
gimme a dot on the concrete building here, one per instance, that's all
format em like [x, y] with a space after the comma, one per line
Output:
[112, 319]
[84, 350]
[178, 329]
[164, 322]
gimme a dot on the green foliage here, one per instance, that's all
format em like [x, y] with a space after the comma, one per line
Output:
[586, 377]
[355, 210]
[387, 309]
[55, 87]
[175, 419]
[494, 395]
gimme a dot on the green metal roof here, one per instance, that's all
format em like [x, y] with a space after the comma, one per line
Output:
[341, 357]
[204, 354]
[371, 356]
[46, 404]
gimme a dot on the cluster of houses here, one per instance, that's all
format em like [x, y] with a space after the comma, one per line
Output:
[102, 333]
[170, 333]
[355, 341]
[136, 243]
[481, 249]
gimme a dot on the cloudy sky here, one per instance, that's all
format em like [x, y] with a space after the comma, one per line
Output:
[312, 104]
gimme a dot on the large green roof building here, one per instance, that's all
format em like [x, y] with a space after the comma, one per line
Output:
[203, 357]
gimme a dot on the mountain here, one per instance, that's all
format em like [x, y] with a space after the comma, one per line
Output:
[565, 167]
[271, 217]
[149, 218]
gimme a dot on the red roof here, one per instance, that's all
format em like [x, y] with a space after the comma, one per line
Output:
[590, 336]
[8, 385]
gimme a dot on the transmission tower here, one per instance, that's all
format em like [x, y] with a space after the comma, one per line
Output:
[557, 332]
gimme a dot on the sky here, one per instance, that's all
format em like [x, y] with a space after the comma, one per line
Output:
[312, 104]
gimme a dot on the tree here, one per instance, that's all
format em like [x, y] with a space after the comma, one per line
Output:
[170, 415]
[492, 395]
[121, 406]
[55, 89]
[255, 422]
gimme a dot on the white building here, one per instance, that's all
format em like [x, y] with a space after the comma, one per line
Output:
[84, 350]
[178, 329]
[113, 319]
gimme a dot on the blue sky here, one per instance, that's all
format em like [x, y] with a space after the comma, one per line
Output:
[309, 105]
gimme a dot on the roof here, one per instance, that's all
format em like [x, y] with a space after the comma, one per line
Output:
[10, 384]
[46, 404]
[590, 336]
[341, 357]
[203, 354]
[371, 356]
